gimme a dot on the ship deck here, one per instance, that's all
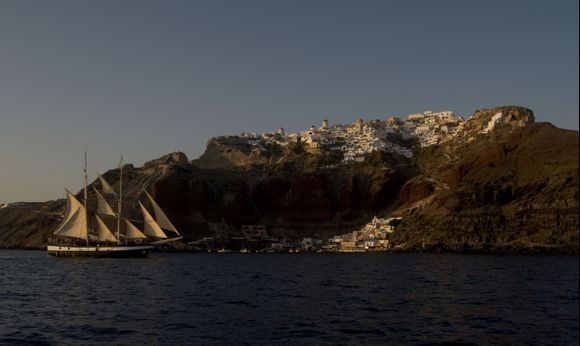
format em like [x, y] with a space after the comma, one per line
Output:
[99, 251]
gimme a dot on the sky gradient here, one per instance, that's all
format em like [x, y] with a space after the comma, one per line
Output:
[145, 78]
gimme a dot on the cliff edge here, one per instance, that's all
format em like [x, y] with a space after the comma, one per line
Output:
[497, 182]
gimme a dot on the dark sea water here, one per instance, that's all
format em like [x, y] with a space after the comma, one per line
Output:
[188, 298]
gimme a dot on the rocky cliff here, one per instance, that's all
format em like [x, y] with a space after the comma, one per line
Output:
[511, 191]
[502, 184]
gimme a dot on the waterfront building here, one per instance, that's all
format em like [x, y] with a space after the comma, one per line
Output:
[309, 244]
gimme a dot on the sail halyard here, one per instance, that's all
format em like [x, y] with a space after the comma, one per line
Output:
[151, 228]
[103, 232]
[160, 217]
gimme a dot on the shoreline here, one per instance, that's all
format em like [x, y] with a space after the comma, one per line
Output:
[490, 251]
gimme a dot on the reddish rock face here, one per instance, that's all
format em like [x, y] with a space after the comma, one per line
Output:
[314, 198]
[272, 193]
[184, 194]
[237, 206]
[284, 199]
[514, 192]
[172, 191]
[416, 190]
[360, 193]
[310, 199]
[383, 190]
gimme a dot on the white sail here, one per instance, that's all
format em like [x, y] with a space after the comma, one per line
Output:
[103, 232]
[74, 223]
[103, 207]
[133, 232]
[106, 187]
[160, 217]
[151, 228]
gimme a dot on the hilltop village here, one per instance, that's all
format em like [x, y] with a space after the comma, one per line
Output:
[394, 135]
[351, 144]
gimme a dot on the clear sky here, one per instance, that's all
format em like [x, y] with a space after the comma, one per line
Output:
[145, 78]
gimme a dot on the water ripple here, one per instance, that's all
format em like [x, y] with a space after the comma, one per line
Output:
[416, 299]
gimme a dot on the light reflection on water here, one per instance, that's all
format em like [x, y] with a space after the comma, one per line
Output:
[185, 298]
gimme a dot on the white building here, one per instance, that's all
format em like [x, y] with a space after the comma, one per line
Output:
[416, 117]
[308, 244]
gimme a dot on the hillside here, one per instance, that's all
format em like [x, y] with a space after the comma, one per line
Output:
[512, 193]
[494, 183]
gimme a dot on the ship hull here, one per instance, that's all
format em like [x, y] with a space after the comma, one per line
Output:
[99, 251]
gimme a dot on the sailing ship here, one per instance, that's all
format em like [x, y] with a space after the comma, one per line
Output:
[83, 234]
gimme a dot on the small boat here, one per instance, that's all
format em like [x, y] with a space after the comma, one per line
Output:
[88, 234]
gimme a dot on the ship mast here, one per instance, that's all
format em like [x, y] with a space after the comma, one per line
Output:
[119, 201]
[85, 199]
